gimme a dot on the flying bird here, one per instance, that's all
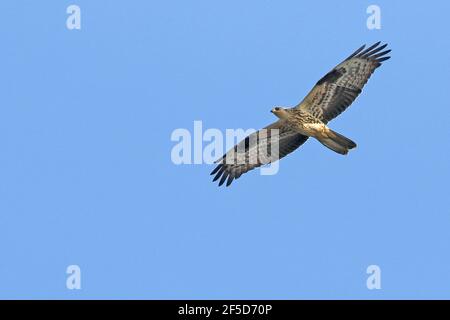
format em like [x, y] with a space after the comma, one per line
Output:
[331, 95]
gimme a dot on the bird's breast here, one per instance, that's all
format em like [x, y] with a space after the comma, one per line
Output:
[307, 125]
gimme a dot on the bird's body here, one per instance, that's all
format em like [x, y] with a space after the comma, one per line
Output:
[308, 125]
[301, 121]
[331, 95]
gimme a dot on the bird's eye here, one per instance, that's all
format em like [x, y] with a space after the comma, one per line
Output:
[277, 108]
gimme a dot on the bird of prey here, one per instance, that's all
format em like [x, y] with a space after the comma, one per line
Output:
[329, 97]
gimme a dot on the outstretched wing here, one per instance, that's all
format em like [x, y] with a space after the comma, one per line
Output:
[339, 88]
[257, 150]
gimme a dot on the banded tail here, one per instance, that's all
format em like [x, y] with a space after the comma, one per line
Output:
[337, 142]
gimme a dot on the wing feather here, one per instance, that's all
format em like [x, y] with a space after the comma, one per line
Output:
[337, 90]
[255, 151]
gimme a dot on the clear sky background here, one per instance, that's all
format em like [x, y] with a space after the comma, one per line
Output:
[86, 176]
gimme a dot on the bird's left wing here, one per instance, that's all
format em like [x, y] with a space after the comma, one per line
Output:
[257, 150]
[339, 88]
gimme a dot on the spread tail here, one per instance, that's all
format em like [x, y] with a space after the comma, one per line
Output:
[337, 142]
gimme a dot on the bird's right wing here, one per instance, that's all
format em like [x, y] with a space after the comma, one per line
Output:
[256, 150]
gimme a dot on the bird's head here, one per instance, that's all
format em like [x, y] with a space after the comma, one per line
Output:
[280, 112]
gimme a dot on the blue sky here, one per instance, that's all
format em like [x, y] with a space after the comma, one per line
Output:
[86, 176]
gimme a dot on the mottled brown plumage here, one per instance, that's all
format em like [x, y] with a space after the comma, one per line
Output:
[330, 97]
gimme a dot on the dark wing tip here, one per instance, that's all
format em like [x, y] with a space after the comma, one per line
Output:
[222, 180]
[224, 174]
[383, 59]
[219, 173]
[372, 52]
[356, 52]
[216, 169]
[230, 180]
[378, 55]
[375, 53]
[362, 53]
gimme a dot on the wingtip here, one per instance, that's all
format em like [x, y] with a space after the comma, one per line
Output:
[383, 59]
[217, 168]
[222, 180]
[375, 52]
